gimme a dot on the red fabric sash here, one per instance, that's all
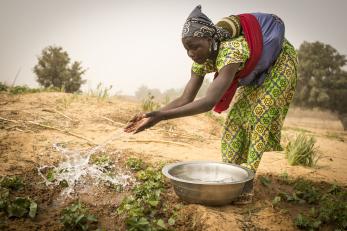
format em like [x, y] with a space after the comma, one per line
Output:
[254, 38]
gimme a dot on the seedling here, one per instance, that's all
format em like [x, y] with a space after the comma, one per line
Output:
[135, 164]
[76, 217]
[304, 222]
[4, 198]
[102, 160]
[18, 207]
[306, 191]
[64, 184]
[50, 175]
[327, 207]
[145, 209]
[21, 207]
[276, 200]
[13, 182]
[284, 178]
[265, 181]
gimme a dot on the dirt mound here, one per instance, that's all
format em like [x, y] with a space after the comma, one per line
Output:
[31, 123]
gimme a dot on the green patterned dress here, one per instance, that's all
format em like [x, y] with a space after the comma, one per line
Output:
[254, 123]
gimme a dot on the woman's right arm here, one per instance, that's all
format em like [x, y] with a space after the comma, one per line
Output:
[188, 95]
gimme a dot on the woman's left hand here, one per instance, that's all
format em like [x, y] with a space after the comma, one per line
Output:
[148, 120]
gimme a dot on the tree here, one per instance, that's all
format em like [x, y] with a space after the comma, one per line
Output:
[54, 70]
[321, 80]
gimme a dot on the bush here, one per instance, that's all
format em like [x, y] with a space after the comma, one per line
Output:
[23, 89]
[3, 87]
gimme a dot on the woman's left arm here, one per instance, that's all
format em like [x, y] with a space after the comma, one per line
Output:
[214, 93]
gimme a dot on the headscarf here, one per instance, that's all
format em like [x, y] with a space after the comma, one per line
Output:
[199, 25]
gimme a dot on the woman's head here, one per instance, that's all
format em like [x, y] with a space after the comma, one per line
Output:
[200, 36]
[197, 35]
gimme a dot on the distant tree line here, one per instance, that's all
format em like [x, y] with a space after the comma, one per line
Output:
[168, 95]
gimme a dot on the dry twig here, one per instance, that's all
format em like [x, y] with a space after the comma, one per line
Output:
[112, 121]
[8, 120]
[60, 113]
[50, 127]
[159, 141]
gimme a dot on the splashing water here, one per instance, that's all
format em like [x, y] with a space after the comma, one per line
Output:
[76, 168]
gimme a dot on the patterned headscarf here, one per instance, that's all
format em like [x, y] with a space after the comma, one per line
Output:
[199, 25]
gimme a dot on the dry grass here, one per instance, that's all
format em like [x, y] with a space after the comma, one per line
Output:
[302, 151]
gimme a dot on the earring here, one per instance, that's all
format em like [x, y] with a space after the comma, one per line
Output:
[215, 46]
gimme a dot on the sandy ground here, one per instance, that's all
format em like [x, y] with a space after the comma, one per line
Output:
[90, 121]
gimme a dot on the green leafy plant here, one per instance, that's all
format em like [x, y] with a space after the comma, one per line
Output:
[50, 175]
[102, 160]
[21, 207]
[17, 207]
[64, 183]
[145, 209]
[76, 217]
[4, 198]
[302, 151]
[327, 206]
[265, 181]
[11, 182]
[135, 164]
[276, 200]
[306, 191]
[307, 223]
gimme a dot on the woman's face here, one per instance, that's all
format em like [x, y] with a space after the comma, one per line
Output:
[198, 49]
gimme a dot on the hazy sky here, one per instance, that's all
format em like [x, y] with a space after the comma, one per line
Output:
[132, 43]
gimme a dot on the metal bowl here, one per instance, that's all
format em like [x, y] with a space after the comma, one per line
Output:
[208, 182]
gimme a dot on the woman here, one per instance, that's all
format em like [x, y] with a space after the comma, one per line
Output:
[254, 123]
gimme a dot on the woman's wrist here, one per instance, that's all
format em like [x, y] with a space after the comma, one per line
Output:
[162, 115]
[159, 114]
